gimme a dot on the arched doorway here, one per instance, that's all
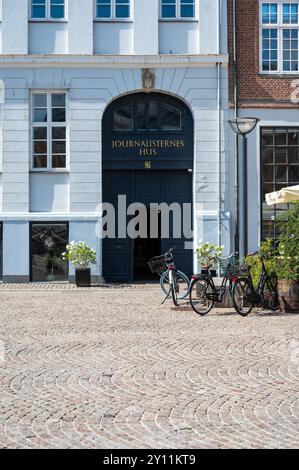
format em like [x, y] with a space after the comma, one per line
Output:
[147, 144]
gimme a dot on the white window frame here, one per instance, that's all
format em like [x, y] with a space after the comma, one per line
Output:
[178, 16]
[48, 17]
[280, 26]
[113, 13]
[49, 125]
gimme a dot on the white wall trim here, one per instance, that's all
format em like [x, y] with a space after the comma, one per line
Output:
[104, 61]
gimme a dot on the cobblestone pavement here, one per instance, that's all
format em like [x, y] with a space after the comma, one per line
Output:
[112, 368]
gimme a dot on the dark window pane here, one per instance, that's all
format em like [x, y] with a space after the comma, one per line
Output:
[293, 137]
[294, 174]
[38, 12]
[153, 115]
[58, 101]
[58, 132]
[268, 176]
[39, 133]
[281, 155]
[122, 11]
[58, 114]
[40, 100]
[123, 118]
[141, 116]
[48, 242]
[40, 147]
[268, 155]
[168, 11]
[267, 137]
[187, 11]
[40, 161]
[58, 161]
[57, 11]
[170, 118]
[282, 174]
[280, 138]
[103, 11]
[40, 115]
[58, 146]
[293, 153]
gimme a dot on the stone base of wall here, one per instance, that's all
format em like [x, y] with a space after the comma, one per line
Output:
[94, 280]
[16, 279]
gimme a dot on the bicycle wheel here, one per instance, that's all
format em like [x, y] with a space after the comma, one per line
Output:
[182, 284]
[242, 297]
[269, 293]
[200, 303]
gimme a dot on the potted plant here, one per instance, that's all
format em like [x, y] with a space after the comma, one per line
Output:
[208, 256]
[81, 256]
[287, 261]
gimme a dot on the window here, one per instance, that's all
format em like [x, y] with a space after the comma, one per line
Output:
[147, 115]
[113, 9]
[177, 9]
[123, 118]
[47, 9]
[48, 130]
[279, 168]
[279, 37]
[48, 242]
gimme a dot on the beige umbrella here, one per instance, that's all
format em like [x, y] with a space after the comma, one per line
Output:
[283, 196]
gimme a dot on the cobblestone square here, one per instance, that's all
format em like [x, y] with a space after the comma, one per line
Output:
[113, 368]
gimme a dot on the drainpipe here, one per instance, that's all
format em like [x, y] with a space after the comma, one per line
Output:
[219, 131]
[236, 137]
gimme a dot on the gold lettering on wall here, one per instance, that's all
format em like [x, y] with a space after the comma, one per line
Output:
[148, 148]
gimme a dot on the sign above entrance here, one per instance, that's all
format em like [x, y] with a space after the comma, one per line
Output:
[147, 147]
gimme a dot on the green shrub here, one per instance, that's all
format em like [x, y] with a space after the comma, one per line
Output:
[268, 250]
[282, 256]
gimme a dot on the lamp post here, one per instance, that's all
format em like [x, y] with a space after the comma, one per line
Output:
[243, 126]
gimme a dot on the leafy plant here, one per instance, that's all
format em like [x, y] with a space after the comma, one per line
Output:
[268, 250]
[282, 255]
[208, 255]
[287, 262]
[79, 254]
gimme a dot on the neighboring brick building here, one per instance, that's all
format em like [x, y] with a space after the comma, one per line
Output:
[264, 67]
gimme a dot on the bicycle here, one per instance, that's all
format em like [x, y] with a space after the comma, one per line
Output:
[266, 291]
[172, 281]
[204, 294]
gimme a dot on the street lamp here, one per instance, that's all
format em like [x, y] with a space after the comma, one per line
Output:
[243, 126]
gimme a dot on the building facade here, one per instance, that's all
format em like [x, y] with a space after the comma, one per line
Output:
[264, 80]
[108, 98]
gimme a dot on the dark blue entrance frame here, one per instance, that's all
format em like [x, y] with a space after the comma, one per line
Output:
[126, 172]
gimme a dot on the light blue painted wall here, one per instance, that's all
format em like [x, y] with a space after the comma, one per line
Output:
[16, 252]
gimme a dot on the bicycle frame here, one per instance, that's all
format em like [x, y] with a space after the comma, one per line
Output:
[256, 292]
[218, 292]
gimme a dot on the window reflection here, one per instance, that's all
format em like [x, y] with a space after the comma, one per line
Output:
[170, 118]
[48, 242]
[123, 118]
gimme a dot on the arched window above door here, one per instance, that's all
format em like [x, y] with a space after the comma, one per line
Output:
[147, 114]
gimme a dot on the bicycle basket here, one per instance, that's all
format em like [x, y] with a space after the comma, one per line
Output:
[238, 269]
[157, 264]
[233, 267]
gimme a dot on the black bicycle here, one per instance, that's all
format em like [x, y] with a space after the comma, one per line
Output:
[173, 282]
[266, 291]
[204, 294]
